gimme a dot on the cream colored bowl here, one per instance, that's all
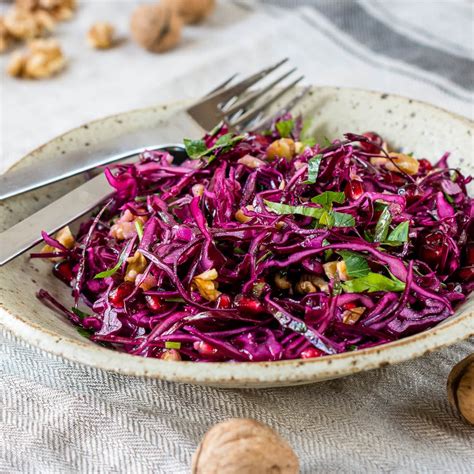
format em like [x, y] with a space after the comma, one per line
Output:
[414, 126]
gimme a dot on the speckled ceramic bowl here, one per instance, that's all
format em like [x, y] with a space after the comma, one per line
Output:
[423, 129]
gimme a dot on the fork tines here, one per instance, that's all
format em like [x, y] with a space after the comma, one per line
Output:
[242, 109]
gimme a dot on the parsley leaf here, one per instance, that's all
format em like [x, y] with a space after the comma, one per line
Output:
[325, 217]
[285, 127]
[304, 137]
[113, 270]
[327, 199]
[195, 148]
[172, 345]
[80, 314]
[278, 208]
[373, 282]
[356, 264]
[343, 220]
[400, 233]
[313, 169]
[139, 227]
[381, 229]
[84, 332]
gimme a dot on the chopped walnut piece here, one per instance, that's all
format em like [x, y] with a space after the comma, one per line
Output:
[125, 227]
[101, 35]
[397, 162]
[339, 268]
[136, 265]
[351, 316]
[311, 284]
[206, 284]
[242, 217]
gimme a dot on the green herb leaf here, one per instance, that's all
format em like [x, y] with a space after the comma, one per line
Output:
[383, 224]
[139, 227]
[84, 332]
[356, 264]
[342, 219]
[176, 299]
[400, 233]
[264, 257]
[111, 271]
[305, 138]
[80, 314]
[172, 345]
[327, 199]
[327, 219]
[285, 127]
[195, 148]
[373, 282]
[313, 169]
[351, 347]
[278, 208]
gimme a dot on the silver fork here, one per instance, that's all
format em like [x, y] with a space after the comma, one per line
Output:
[227, 103]
[230, 104]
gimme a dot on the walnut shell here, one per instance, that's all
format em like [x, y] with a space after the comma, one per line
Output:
[156, 27]
[243, 446]
[461, 388]
[192, 11]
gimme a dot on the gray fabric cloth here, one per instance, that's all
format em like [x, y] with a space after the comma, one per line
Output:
[60, 417]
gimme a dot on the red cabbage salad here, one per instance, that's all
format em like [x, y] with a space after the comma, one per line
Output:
[268, 246]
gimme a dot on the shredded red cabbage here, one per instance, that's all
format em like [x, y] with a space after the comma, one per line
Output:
[265, 247]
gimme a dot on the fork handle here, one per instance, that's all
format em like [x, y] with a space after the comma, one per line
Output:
[90, 155]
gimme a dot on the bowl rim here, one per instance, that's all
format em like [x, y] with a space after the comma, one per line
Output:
[241, 374]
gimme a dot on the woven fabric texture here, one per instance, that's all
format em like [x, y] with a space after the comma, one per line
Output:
[60, 417]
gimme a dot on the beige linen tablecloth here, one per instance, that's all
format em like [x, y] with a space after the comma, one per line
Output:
[60, 417]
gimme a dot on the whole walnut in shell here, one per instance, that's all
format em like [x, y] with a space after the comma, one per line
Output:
[461, 388]
[192, 11]
[156, 27]
[243, 446]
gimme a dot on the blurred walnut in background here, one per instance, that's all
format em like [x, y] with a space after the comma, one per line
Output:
[60, 10]
[44, 58]
[101, 35]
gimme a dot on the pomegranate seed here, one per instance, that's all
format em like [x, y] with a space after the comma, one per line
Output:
[154, 302]
[117, 295]
[310, 353]
[432, 247]
[349, 306]
[425, 166]
[466, 274]
[224, 302]
[63, 271]
[354, 189]
[249, 304]
[204, 348]
[372, 147]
